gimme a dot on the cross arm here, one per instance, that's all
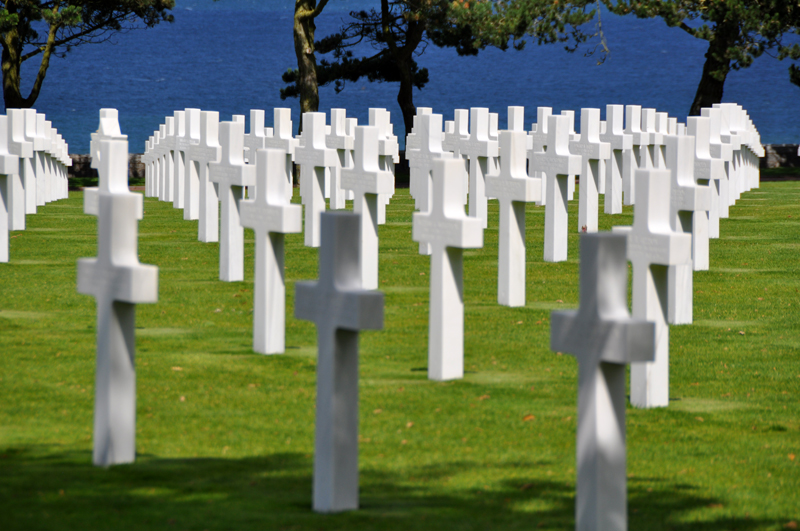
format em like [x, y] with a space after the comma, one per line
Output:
[353, 310]
[622, 340]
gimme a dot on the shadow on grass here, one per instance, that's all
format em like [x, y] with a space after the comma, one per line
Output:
[64, 491]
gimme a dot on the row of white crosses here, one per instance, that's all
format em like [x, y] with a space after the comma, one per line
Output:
[34, 161]
[234, 162]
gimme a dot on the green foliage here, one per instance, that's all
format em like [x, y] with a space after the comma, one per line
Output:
[385, 31]
[501, 23]
[225, 437]
[747, 29]
[30, 28]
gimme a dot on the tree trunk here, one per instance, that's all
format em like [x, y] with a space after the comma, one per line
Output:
[11, 71]
[405, 96]
[715, 69]
[304, 27]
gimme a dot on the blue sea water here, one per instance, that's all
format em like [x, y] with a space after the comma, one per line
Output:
[229, 55]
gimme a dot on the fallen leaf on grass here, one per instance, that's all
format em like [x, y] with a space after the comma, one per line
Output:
[792, 524]
[699, 419]
[409, 424]
[177, 369]
[526, 418]
[377, 411]
[791, 457]
[741, 332]
[484, 397]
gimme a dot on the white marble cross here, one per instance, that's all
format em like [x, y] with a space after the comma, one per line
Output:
[343, 143]
[630, 159]
[428, 137]
[448, 231]
[270, 215]
[42, 159]
[340, 307]
[412, 141]
[734, 140]
[603, 338]
[161, 153]
[478, 148]
[452, 141]
[191, 167]
[168, 142]
[19, 146]
[388, 153]
[282, 138]
[256, 136]
[621, 142]
[652, 247]
[591, 150]
[689, 204]
[570, 114]
[118, 282]
[200, 155]
[232, 175]
[107, 130]
[652, 156]
[179, 159]
[707, 172]
[513, 189]
[32, 188]
[538, 144]
[558, 165]
[313, 157]
[724, 152]
[9, 168]
[367, 180]
[147, 160]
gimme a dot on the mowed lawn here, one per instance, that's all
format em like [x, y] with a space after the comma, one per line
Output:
[225, 436]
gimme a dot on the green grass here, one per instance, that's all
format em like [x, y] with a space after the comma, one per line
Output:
[225, 436]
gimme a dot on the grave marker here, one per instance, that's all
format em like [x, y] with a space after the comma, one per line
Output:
[343, 143]
[340, 308]
[591, 150]
[232, 175]
[19, 146]
[191, 167]
[118, 282]
[479, 148]
[513, 188]
[388, 153]
[603, 338]
[724, 152]
[428, 138]
[687, 202]
[652, 247]
[9, 168]
[179, 159]
[558, 165]
[707, 171]
[313, 157]
[538, 144]
[630, 159]
[270, 215]
[621, 142]
[205, 152]
[448, 232]
[367, 180]
[282, 139]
